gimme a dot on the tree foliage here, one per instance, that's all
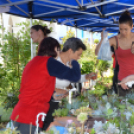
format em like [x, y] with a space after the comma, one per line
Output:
[96, 41]
[15, 52]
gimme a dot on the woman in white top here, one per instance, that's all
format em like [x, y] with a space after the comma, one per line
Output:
[61, 85]
[72, 49]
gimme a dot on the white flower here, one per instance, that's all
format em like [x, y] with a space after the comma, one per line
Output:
[128, 115]
[115, 113]
[132, 106]
[113, 93]
[71, 130]
[117, 131]
[112, 129]
[72, 111]
[108, 105]
[97, 112]
[10, 94]
[101, 133]
[104, 97]
[115, 109]
[98, 126]
[101, 107]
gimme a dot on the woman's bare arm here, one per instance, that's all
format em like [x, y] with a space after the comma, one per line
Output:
[112, 42]
[125, 80]
[98, 47]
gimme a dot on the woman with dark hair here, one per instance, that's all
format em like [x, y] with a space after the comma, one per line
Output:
[124, 52]
[38, 33]
[38, 84]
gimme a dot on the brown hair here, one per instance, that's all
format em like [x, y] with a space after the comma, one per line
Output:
[126, 18]
[44, 29]
[47, 47]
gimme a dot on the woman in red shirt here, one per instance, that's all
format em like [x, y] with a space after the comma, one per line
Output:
[38, 84]
[122, 44]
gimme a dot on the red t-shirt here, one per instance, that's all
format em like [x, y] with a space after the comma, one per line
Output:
[125, 60]
[37, 87]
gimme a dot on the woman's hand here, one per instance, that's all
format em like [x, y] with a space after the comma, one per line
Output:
[125, 80]
[57, 97]
[99, 45]
[92, 76]
[123, 85]
[102, 33]
[60, 94]
[82, 90]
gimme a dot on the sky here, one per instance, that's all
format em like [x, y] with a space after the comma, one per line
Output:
[98, 35]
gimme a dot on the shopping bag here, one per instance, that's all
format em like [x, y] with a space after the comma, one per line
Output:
[10, 125]
[105, 51]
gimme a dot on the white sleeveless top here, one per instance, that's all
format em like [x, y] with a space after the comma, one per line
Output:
[62, 83]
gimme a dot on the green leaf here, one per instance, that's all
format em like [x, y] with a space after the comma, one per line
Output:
[92, 131]
[109, 111]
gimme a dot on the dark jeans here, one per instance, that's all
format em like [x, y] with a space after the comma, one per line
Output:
[122, 92]
[49, 118]
[25, 128]
[115, 80]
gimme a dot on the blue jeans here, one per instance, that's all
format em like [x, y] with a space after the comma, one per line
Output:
[25, 128]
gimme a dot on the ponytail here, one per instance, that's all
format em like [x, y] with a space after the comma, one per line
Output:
[44, 29]
[126, 18]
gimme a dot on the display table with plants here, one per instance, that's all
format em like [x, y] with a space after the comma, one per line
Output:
[108, 114]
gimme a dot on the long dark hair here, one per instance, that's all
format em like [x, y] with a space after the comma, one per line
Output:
[126, 18]
[47, 47]
[44, 29]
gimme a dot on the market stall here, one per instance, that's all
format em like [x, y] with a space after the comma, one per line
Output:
[103, 114]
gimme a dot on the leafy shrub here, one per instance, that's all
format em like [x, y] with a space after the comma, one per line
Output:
[15, 52]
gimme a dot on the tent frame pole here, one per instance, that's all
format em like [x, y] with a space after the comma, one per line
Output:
[31, 40]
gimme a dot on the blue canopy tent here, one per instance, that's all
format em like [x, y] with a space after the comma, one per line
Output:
[90, 15]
